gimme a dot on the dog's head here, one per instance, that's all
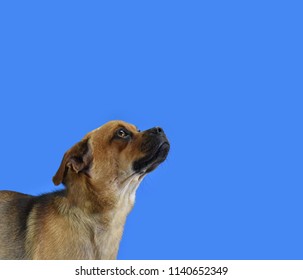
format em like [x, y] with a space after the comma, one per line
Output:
[112, 153]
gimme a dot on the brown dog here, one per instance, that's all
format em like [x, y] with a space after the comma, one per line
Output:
[101, 174]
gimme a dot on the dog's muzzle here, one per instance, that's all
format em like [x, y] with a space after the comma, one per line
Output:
[155, 146]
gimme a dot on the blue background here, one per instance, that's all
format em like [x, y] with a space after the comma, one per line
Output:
[223, 78]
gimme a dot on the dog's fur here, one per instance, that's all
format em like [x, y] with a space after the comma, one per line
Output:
[101, 174]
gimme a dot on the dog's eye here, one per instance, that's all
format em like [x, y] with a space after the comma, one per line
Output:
[122, 133]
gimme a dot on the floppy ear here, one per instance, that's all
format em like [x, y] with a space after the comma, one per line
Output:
[77, 158]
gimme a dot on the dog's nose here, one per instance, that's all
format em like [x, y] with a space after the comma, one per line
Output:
[157, 130]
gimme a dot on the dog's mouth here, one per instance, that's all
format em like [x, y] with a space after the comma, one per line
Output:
[151, 161]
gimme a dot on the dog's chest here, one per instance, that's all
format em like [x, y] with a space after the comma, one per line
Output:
[106, 238]
[106, 229]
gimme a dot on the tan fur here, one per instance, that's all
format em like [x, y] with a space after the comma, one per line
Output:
[86, 220]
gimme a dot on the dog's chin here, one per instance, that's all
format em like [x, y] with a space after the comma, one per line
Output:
[151, 161]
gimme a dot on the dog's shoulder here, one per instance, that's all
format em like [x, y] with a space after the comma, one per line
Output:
[20, 214]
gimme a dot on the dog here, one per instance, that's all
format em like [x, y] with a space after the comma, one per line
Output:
[85, 220]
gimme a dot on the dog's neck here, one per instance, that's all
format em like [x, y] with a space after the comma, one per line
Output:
[109, 206]
[109, 238]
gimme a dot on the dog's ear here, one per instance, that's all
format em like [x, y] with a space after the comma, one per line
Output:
[77, 158]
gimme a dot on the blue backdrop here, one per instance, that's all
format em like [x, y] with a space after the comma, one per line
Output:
[223, 78]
